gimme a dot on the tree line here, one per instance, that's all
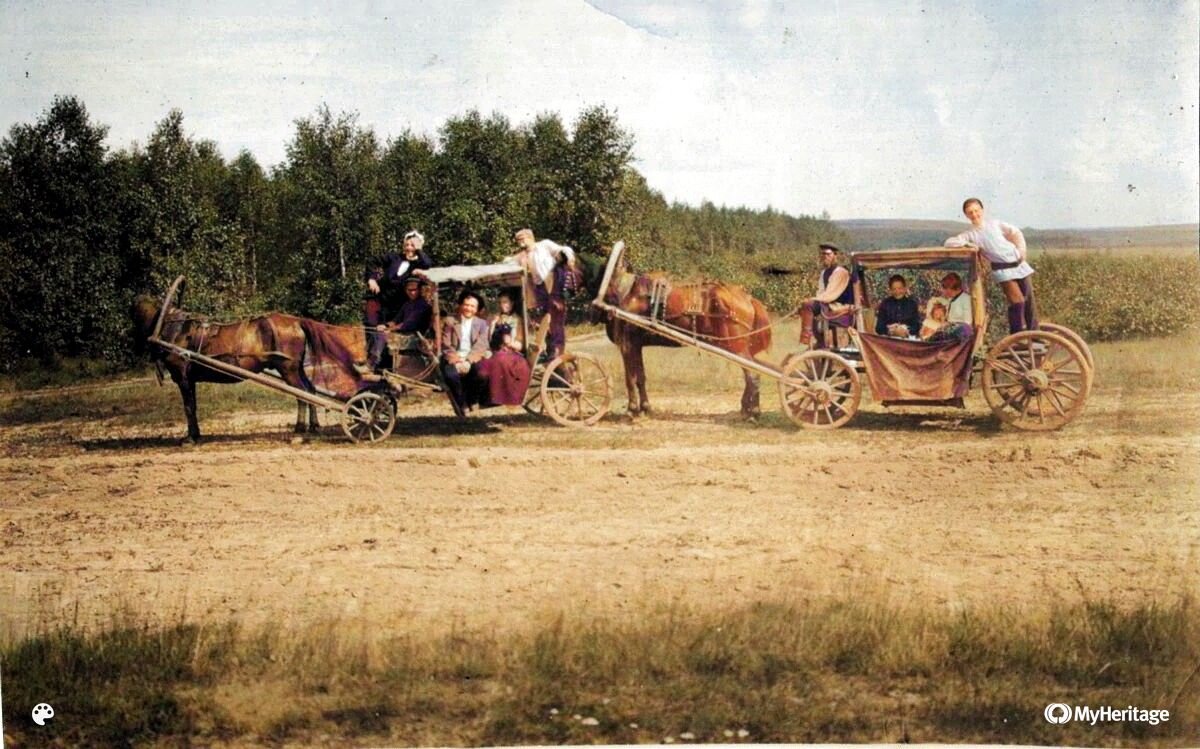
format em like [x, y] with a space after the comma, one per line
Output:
[84, 228]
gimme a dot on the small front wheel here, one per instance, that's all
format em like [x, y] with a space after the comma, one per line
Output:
[576, 391]
[819, 390]
[369, 417]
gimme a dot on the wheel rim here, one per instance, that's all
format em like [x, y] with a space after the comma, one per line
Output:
[819, 390]
[575, 391]
[369, 417]
[1080, 344]
[1036, 380]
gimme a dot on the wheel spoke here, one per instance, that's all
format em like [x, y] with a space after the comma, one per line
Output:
[1053, 399]
[1008, 370]
[1070, 358]
[1070, 387]
[1071, 396]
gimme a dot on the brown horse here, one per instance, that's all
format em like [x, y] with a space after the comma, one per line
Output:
[720, 314]
[274, 341]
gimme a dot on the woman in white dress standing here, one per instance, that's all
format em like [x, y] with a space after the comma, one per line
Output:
[1003, 245]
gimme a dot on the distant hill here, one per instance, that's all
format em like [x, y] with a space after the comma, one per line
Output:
[870, 233]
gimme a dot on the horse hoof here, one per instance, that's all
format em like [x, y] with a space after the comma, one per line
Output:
[189, 441]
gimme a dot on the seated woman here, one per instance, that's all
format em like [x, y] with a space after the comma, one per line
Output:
[506, 370]
[508, 316]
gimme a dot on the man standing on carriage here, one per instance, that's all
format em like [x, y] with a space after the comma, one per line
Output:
[551, 265]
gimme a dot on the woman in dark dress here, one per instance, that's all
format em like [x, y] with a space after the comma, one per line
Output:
[506, 370]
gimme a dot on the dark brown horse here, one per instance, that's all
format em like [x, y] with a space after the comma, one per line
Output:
[720, 314]
[274, 342]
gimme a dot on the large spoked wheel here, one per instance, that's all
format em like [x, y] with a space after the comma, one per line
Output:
[819, 390]
[1036, 380]
[1080, 344]
[576, 391]
[369, 417]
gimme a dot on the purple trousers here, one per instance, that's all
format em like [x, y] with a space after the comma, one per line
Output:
[556, 304]
[1023, 315]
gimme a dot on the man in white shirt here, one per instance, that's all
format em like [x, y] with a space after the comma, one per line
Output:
[544, 261]
[1003, 245]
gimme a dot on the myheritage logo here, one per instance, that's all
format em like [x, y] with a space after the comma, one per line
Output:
[1057, 712]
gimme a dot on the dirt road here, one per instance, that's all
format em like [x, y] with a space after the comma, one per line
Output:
[506, 517]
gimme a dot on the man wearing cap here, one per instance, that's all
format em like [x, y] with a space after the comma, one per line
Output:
[544, 260]
[834, 292]
[413, 317]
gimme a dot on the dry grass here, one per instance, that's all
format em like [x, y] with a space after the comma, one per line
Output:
[858, 669]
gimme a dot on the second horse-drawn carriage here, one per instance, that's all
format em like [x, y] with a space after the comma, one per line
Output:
[1036, 379]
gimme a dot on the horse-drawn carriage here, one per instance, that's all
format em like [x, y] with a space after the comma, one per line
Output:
[572, 388]
[1036, 380]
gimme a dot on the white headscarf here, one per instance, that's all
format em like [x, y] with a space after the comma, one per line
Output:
[417, 237]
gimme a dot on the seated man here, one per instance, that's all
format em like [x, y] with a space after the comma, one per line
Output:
[464, 345]
[413, 317]
[834, 302]
[898, 315]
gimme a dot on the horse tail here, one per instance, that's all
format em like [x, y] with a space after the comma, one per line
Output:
[760, 339]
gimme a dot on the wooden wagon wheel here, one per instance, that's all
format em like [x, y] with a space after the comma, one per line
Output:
[1080, 344]
[1036, 380]
[576, 391]
[369, 417]
[819, 390]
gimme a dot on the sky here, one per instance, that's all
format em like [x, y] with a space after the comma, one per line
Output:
[1056, 114]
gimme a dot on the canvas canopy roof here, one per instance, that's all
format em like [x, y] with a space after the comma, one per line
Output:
[495, 274]
[938, 258]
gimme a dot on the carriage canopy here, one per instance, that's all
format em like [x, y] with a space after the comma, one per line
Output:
[494, 274]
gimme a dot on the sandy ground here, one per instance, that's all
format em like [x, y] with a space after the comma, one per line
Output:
[507, 517]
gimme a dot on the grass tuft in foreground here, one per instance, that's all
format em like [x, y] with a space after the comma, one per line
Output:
[820, 672]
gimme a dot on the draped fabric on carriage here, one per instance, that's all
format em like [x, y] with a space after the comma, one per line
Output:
[899, 369]
[329, 357]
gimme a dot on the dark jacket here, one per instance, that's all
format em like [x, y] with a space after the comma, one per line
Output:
[392, 270]
[901, 311]
[414, 316]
